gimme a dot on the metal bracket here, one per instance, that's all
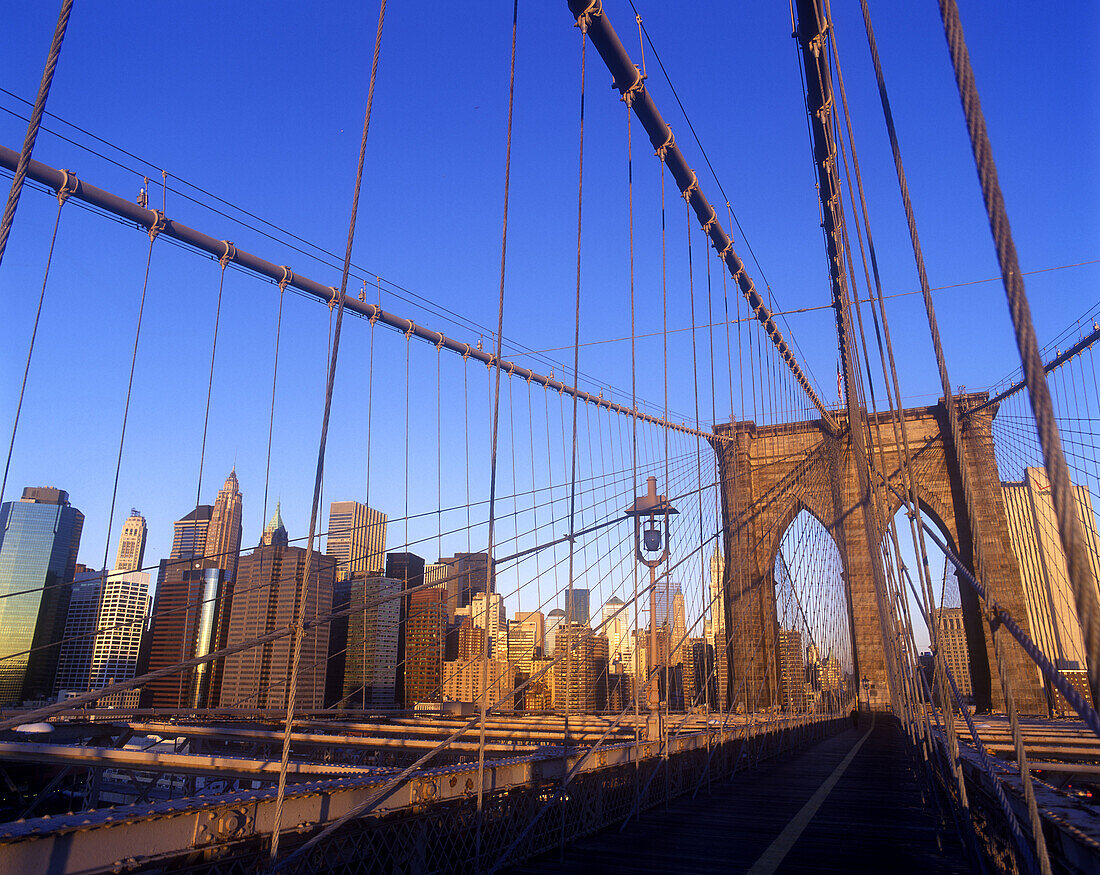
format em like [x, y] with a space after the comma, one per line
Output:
[159, 224]
[628, 94]
[694, 186]
[662, 150]
[594, 8]
[288, 278]
[230, 254]
[68, 187]
[218, 826]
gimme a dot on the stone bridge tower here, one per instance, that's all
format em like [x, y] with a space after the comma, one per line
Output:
[770, 473]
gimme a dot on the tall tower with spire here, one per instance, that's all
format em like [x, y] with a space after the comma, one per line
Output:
[131, 543]
[275, 531]
[223, 536]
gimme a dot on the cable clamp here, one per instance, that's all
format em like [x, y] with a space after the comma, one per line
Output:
[159, 224]
[694, 186]
[229, 255]
[633, 89]
[726, 251]
[332, 300]
[709, 222]
[593, 9]
[439, 343]
[288, 278]
[466, 353]
[376, 313]
[412, 328]
[68, 187]
[662, 150]
[511, 369]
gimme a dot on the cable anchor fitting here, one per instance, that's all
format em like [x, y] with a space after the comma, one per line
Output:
[662, 150]
[439, 343]
[412, 328]
[332, 301]
[692, 186]
[68, 187]
[710, 222]
[593, 9]
[159, 224]
[628, 94]
[288, 278]
[229, 255]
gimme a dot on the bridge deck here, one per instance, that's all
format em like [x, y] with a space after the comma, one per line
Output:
[872, 819]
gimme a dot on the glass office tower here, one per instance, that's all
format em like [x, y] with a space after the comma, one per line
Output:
[39, 538]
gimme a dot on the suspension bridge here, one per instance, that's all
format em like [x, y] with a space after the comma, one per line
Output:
[540, 620]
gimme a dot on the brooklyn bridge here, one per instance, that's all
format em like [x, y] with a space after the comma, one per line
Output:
[557, 555]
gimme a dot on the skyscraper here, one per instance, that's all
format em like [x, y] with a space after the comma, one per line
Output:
[576, 673]
[579, 599]
[131, 543]
[615, 627]
[223, 537]
[469, 574]
[39, 539]
[266, 596]
[436, 574]
[424, 630]
[74, 664]
[521, 646]
[665, 599]
[188, 544]
[554, 619]
[275, 531]
[487, 611]
[1051, 605]
[356, 539]
[190, 618]
[536, 623]
[952, 645]
[370, 673]
[408, 568]
[792, 671]
[717, 636]
[123, 608]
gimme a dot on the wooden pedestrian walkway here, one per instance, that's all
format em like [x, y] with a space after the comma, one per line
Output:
[851, 803]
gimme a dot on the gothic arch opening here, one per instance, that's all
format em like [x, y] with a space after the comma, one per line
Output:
[815, 663]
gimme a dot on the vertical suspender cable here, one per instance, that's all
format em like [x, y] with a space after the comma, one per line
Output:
[303, 584]
[224, 262]
[484, 697]
[153, 232]
[62, 195]
[34, 124]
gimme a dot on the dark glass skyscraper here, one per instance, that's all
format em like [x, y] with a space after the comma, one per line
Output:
[39, 539]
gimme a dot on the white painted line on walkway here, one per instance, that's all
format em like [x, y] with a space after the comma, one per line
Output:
[771, 858]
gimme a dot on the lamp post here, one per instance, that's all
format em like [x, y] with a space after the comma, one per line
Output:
[867, 691]
[651, 513]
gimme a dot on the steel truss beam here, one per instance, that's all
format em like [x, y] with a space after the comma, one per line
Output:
[131, 835]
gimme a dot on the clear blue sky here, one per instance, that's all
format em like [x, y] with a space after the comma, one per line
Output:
[262, 106]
